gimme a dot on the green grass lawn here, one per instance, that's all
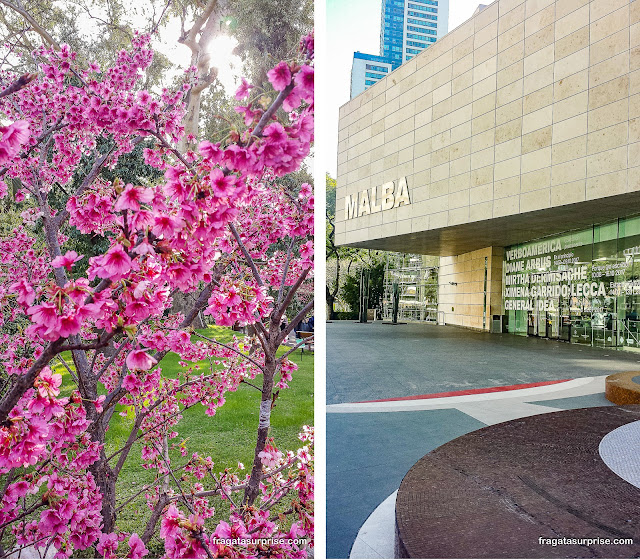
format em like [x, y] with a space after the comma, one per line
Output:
[228, 437]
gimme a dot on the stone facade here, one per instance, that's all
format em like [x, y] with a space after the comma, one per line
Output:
[522, 122]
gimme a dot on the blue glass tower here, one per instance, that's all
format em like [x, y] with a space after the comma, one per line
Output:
[407, 27]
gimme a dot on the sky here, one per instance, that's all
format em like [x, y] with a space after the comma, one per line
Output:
[354, 25]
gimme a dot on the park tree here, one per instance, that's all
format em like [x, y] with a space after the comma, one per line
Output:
[217, 222]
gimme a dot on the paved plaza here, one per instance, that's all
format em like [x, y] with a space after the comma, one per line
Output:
[371, 446]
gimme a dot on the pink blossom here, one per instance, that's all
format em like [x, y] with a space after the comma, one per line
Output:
[116, 262]
[67, 260]
[280, 76]
[140, 360]
[243, 91]
[138, 549]
[132, 197]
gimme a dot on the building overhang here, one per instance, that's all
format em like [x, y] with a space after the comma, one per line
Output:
[508, 230]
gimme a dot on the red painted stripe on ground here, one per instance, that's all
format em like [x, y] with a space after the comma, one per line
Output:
[470, 391]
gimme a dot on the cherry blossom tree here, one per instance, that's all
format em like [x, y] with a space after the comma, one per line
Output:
[218, 225]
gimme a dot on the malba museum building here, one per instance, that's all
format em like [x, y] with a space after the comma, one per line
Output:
[511, 149]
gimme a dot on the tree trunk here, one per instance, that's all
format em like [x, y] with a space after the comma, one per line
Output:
[253, 487]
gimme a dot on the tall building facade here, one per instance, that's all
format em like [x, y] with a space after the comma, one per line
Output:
[407, 27]
[511, 149]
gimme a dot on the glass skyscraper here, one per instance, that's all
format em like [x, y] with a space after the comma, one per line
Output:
[407, 27]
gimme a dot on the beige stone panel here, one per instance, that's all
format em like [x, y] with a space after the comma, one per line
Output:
[607, 185]
[539, 40]
[391, 149]
[439, 220]
[569, 171]
[609, 24]
[508, 150]
[462, 82]
[440, 125]
[538, 119]
[403, 228]
[425, 100]
[462, 49]
[442, 77]
[609, 115]
[634, 59]
[461, 115]
[442, 108]
[539, 20]
[442, 93]
[565, 7]
[505, 6]
[377, 127]
[538, 80]
[571, 64]
[419, 224]
[483, 123]
[535, 180]
[569, 193]
[537, 100]
[485, 52]
[534, 6]
[634, 106]
[440, 141]
[506, 206]
[481, 176]
[485, 69]
[608, 138]
[460, 165]
[484, 87]
[438, 189]
[408, 98]
[508, 131]
[609, 92]
[459, 182]
[572, 43]
[634, 130]
[510, 74]
[607, 162]
[424, 132]
[633, 156]
[511, 37]
[536, 160]
[377, 154]
[484, 35]
[536, 140]
[569, 24]
[570, 86]
[510, 19]
[463, 65]
[509, 93]
[391, 106]
[482, 158]
[509, 112]
[571, 107]
[610, 46]
[423, 117]
[600, 9]
[405, 156]
[439, 172]
[486, 17]
[461, 132]
[483, 141]
[459, 216]
[609, 69]
[391, 160]
[484, 105]
[440, 156]
[461, 99]
[460, 149]
[506, 169]
[510, 56]
[634, 12]
[633, 184]
[481, 194]
[535, 200]
[634, 82]
[570, 128]
[482, 211]
[539, 59]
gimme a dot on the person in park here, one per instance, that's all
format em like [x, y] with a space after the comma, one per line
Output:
[218, 225]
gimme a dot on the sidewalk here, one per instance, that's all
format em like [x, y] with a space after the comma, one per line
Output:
[371, 446]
